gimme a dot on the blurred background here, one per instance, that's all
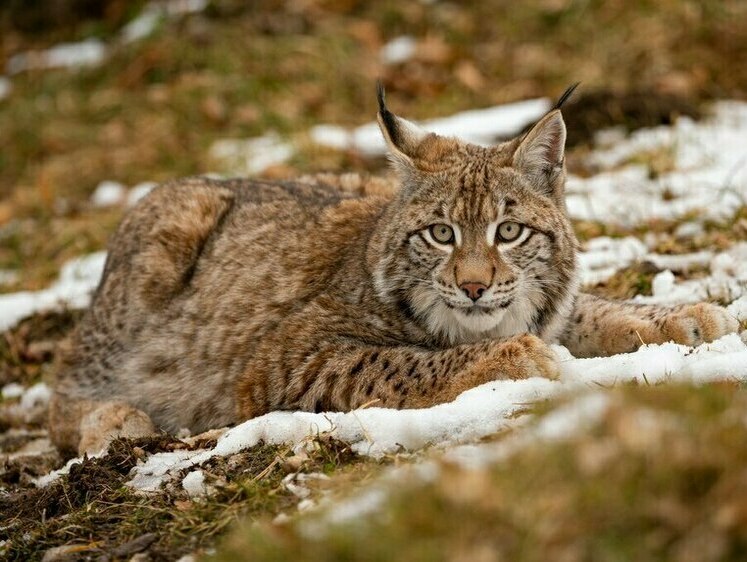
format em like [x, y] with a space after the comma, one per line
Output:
[125, 92]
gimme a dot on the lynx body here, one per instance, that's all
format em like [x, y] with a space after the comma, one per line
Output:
[224, 300]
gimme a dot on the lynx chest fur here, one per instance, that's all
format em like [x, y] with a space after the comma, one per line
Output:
[224, 300]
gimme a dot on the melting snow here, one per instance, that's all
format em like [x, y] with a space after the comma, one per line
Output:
[727, 282]
[73, 288]
[398, 50]
[250, 156]
[139, 191]
[194, 484]
[12, 390]
[37, 395]
[65, 55]
[93, 52]
[147, 21]
[141, 26]
[108, 194]
[709, 175]
[739, 309]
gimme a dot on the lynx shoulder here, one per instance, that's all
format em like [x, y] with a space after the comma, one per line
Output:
[224, 300]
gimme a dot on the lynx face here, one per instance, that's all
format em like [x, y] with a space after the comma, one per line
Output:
[478, 241]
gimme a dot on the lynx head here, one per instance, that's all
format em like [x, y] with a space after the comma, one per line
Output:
[477, 242]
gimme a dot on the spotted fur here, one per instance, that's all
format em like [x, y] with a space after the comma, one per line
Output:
[224, 300]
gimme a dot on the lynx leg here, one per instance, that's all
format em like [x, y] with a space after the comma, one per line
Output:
[602, 327]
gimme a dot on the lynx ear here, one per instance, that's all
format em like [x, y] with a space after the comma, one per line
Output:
[402, 136]
[411, 147]
[540, 155]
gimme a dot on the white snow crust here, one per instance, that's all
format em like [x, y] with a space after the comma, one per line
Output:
[78, 278]
[251, 156]
[398, 50]
[709, 175]
[138, 191]
[194, 484]
[89, 52]
[108, 193]
[36, 395]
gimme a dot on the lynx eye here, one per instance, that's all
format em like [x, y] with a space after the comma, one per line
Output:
[509, 231]
[442, 233]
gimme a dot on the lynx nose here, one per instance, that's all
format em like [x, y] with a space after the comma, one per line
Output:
[473, 290]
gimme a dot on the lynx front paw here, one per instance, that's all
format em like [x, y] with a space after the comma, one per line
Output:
[698, 323]
[523, 357]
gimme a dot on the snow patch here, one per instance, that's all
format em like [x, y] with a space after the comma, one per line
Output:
[78, 278]
[108, 193]
[12, 390]
[398, 50]
[139, 191]
[738, 308]
[90, 52]
[605, 256]
[145, 23]
[93, 52]
[250, 156]
[727, 282]
[561, 424]
[194, 484]
[709, 172]
[142, 25]
[55, 475]
[659, 363]
[148, 475]
[37, 395]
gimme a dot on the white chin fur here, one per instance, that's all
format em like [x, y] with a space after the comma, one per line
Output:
[459, 327]
[478, 322]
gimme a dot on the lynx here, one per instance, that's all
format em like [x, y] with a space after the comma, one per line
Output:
[225, 300]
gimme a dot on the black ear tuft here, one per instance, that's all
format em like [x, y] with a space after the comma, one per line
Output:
[387, 117]
[381, 96]
[566, 95]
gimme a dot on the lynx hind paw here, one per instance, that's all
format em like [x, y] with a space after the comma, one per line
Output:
[109, 421]
[699, 323]
[528, 356]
